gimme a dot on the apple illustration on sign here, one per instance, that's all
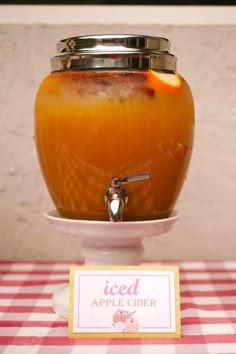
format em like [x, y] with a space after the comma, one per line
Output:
[123, 321]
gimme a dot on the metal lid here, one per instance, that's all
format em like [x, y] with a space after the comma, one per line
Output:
[114, 52]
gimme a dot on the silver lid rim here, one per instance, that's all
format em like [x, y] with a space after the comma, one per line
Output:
[114, 52]
[130, 41]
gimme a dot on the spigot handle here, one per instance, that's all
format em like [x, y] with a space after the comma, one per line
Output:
[136, 178]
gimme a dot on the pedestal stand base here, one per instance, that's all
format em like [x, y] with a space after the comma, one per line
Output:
[106, 243]
[61, 301]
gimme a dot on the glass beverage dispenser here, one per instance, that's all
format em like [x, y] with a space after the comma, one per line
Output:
[114, 126]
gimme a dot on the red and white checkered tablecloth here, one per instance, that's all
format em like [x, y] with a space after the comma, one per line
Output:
[29, 325]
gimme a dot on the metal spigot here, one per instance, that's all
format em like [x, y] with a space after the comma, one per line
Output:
[116, 196]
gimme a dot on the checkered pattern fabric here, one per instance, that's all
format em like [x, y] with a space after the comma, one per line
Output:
[29, 325]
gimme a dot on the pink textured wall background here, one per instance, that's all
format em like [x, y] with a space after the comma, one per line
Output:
[207, 229]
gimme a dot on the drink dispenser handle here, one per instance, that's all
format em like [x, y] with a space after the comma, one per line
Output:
[136, 178]
[116, 196]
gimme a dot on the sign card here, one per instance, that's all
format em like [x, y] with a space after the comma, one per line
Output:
[124, 302]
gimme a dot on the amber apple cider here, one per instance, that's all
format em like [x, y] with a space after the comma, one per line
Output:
[93, 125]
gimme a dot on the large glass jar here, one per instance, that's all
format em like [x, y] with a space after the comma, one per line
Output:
[114, 105]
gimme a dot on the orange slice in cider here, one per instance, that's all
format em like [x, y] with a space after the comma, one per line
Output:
[167, 82]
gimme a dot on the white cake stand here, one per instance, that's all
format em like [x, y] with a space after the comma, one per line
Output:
[106, 243]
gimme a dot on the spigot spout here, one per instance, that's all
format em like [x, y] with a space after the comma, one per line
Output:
[116, 196]
[116, 208]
